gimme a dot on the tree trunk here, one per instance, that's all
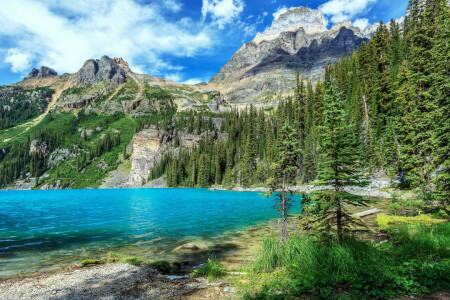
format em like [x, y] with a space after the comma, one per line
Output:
[283, 233]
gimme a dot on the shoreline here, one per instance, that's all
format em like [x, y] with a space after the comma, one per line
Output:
[123, 281]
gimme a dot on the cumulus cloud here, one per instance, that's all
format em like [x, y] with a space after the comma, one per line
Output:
[19, 61]
[63, 34]
[341, 10]
[281, 10]
[195, 80]
[361, 23]
[222, 12]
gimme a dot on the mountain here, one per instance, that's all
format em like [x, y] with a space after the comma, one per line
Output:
[108, 85]
[267, 65]
[96, 127]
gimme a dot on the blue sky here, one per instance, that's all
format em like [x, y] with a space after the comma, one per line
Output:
[182, 40]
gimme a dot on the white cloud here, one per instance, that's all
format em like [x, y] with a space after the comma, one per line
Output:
[173, 5]
[361, 23]
[180, 78]
[222, 12]
[63, 34]
[281, 10]
[176, 77]
[250, 29]
[19, 61]
[341, 10]
[195, 81]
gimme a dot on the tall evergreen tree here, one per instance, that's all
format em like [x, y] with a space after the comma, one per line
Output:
[285, 170]
[338, 167]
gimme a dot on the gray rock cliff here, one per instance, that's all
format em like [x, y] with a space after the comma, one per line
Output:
[101, 70]
[268, 64]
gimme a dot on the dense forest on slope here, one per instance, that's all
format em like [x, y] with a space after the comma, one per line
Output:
[396, 89]
[18, 104]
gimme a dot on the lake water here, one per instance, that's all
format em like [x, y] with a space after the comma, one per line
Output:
[44, 229]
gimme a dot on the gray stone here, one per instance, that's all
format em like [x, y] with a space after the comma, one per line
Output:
[265, 68]
[101, 70]
[43, 72]
[189, 247]
[38, 146]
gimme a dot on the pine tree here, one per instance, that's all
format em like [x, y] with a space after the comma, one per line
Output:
[338, 167]
[285, 169]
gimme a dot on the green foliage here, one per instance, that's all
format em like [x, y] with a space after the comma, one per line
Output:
[338, 167]
[388, 222]
[88, 262]
[284, 171]
[79, 89]
[211, 269]
[18, 105]
[415, 261]
[161, 266]
[156, 92]
[123, 258]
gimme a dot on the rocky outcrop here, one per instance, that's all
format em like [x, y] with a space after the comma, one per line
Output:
[38, 147]
[43, 72]
[267, 65]
[58, 156]
[57, 185]
[101, 70]
[78, 104]
[147, 148]
[122, 63]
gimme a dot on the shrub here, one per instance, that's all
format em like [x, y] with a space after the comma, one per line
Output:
[211, 270]
[161, 266]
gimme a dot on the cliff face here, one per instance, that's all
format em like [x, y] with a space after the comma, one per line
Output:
[267, 64]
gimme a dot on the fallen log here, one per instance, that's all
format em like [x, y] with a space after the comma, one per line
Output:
[366, 213]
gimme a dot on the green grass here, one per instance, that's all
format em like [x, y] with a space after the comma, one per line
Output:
[128, 259]
[387, 222]
[156, 92]
[415, 261]
[127, 92]
[161, 266]
[88, 262]
[211, 269]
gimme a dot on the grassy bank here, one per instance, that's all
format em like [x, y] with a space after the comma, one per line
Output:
[415, 260]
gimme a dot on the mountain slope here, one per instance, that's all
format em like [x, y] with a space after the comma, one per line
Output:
[267, 65]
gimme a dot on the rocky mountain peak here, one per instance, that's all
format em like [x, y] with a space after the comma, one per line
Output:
[43, 72]
[101, 70]
[311, 20]
[122, 63]
[297, 39]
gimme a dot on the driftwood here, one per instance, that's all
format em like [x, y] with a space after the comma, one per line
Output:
[366, 213]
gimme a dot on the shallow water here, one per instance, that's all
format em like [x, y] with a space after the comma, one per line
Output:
[44, 229]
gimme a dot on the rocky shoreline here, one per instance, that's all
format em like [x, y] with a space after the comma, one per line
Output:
[379, 187]
[112, 281]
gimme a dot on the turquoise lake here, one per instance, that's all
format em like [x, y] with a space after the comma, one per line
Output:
[43, 229]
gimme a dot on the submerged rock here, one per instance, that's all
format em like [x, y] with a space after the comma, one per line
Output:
[189, 246]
